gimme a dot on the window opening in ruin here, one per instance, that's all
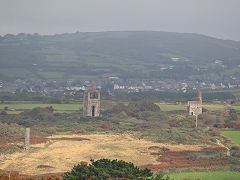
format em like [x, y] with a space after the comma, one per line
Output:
[94, 95]
[93, 111]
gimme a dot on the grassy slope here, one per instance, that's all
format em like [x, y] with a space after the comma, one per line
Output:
[233, 135]
[71, 55]
[217, 175]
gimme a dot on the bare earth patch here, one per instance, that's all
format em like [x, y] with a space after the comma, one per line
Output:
[61, 153]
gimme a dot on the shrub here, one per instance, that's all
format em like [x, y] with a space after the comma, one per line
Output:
[144, 105]
[3, 113]
[104, 125]
[118, 108]
[152, 116]
[204, 110]
[231, 116]
[219, 125]
[235, 148]
[214, 132]
[236, 153]
[10, 130]
[180, 123]
[210, 121]
[105, 169]
[232, 124]
[134, 108]
[200, 117]
[49, 109]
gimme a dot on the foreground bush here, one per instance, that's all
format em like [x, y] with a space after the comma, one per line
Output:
[105, 169]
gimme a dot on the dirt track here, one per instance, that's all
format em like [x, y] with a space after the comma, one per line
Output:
[61, 153]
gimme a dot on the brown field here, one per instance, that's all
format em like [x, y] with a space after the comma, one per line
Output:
[60, 153]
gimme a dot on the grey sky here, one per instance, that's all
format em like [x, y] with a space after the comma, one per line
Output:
[218, 18]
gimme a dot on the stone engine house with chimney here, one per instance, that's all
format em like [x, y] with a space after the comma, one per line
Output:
[195, 106]
[91, 102]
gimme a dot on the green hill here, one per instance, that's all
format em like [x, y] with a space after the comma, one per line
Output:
[135, 54]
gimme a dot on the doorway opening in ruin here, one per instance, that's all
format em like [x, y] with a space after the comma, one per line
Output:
[93, 111]
[192, 113]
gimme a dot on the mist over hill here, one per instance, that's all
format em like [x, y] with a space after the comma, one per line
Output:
[133, 54]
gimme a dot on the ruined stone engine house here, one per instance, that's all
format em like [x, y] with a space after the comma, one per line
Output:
[195, 106]
[91, 102]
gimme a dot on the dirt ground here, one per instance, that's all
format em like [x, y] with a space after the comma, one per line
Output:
[61, 153]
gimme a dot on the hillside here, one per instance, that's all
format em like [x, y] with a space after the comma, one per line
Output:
[140, 54]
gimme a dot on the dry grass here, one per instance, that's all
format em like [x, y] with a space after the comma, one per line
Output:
[61, 155]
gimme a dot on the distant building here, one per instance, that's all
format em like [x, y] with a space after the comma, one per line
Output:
[175, 59]
[195, 106]
[91, 102]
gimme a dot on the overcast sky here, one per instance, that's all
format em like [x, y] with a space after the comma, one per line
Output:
[218, 18]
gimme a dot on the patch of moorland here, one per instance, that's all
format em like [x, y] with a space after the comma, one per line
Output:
[62, 152]
[142, 118]
[161, 124]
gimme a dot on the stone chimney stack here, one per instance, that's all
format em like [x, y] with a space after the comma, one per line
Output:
[200, 95]
[27, 139]
[94, 86]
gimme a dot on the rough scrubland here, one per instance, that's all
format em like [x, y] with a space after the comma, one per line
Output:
[156, 135]
[60, 153]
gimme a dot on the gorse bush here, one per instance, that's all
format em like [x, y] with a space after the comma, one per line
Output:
[105, 169]
[143, 105]
[232, 116]
[11, 130]
[133, 108]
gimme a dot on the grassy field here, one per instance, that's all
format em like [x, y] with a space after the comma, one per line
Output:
[172, 107]
[51, 74]
[73, 107]
[215, 175]
[213, 107]
[233, 135]
[17, 108]
[236, 107]
[16, 72]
